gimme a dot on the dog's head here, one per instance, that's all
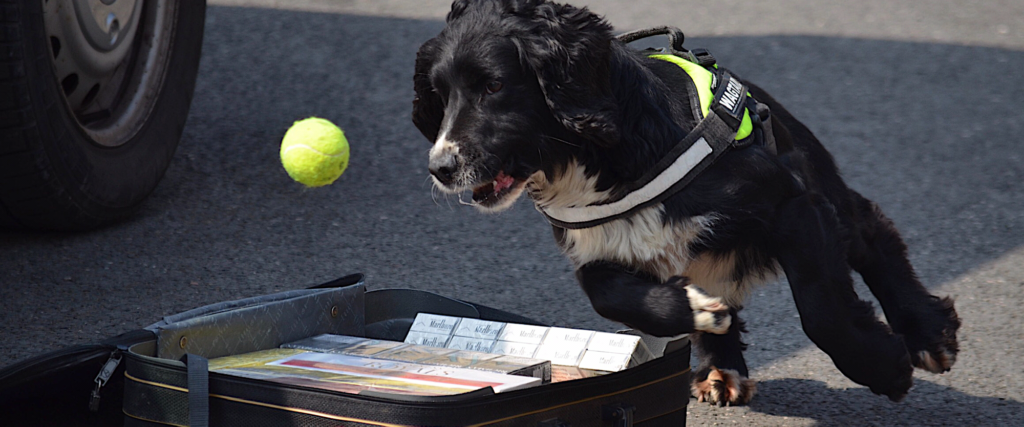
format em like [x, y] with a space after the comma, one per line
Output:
[510, 88]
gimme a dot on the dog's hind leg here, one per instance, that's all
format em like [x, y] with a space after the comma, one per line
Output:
[721, 376]
[928, 323]
[641, 302]
[808, 245]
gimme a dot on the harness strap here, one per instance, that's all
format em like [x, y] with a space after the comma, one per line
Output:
[728, 117]
[711, 138]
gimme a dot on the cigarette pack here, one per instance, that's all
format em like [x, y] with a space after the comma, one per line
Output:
[427, 339]
[629, 345]
[471, 344]
[527, 334]
[514, 349]
[560, 355]
[601, 361]
[589, 351]
[481, 329]
[564, 337]
[613, 343]
[434, 323]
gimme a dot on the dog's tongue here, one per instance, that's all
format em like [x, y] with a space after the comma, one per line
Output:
[502, 182]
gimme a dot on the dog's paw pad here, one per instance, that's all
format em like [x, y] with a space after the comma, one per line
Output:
[938, 361]
[936, 352]
[710, 314]
[724, 387]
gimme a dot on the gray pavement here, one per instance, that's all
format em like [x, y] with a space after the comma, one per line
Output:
[919, 101]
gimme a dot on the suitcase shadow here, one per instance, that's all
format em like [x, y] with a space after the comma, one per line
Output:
[928, 404]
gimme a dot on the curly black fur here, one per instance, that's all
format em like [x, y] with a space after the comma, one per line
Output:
[568, 91]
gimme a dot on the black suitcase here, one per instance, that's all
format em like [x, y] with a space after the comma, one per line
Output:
[126, 382]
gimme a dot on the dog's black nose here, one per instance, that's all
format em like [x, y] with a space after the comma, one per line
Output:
[443, 168]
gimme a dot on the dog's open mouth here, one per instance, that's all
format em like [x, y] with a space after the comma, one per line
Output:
[497, 191]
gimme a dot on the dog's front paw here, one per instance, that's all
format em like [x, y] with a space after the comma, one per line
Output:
[724, 387]
[934, 348]
[710, 314]
[893, 380]
[937, 359]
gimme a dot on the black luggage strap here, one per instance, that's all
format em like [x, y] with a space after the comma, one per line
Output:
[198, 390]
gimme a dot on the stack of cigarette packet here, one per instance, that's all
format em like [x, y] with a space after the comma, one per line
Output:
[587, 350]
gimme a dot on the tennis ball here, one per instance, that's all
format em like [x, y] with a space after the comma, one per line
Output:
[314, 152]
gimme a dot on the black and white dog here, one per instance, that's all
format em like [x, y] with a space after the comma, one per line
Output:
[538, 97]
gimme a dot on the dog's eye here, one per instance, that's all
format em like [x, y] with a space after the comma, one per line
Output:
[494, 86]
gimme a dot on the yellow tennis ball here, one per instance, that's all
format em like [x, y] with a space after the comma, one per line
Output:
[314, 152]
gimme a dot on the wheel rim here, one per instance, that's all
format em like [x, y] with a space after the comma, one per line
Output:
[109, 58]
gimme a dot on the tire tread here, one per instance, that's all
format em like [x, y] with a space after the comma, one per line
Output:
[27, 181]
[43, 187]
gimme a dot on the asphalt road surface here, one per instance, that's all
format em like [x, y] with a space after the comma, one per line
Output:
[919, 101]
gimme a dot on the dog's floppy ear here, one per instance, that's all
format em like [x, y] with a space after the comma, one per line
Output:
[427, 107]
[458, 8]
[569, 49]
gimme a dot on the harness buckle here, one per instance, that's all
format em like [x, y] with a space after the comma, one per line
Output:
[703, 57]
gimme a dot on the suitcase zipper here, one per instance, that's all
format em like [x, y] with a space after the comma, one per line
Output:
[102, 378]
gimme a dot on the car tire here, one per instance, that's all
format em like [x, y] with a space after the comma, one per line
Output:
[82, 166]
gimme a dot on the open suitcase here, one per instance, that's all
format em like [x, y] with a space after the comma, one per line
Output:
[157, 376]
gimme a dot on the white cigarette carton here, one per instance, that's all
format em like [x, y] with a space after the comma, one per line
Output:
[434, 324]
[567, 337]
[476, 328]
[427, 339]
[527, 334]
[630, 345]
[471, 344]
[514, 349]
[613, 343]
[602, 361]
[560, 355]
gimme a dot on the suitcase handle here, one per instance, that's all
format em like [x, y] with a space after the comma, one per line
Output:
[621, 415]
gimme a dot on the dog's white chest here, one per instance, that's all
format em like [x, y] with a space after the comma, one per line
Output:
[647, 243]
[643, 240]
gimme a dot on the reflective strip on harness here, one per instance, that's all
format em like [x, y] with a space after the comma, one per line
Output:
[682, 166]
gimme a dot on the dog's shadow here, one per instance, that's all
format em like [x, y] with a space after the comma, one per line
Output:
[927, 404]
